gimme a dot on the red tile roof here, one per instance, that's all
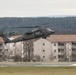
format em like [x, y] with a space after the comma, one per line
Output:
[62, 38]
[1, 40]
[53, 38]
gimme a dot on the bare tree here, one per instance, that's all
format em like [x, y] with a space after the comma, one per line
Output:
[28, 50]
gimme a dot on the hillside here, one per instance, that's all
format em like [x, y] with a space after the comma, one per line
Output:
[62, 25]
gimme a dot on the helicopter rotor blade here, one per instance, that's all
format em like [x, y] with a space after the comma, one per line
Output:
[27, 27]
[32, 26]
[44, 24]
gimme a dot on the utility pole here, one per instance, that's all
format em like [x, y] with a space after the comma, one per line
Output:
[28, 49]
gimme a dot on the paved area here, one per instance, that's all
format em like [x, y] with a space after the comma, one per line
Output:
[35, 64]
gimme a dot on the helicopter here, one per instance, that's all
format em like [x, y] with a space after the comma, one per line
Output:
[31, 34]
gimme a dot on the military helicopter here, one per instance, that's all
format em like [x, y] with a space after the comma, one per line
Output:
[32, 34]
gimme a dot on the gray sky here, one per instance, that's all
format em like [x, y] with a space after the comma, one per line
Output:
[36, 8]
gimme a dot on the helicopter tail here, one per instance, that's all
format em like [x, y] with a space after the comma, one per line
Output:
[5, 38]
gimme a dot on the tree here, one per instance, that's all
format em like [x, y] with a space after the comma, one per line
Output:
[28, 50]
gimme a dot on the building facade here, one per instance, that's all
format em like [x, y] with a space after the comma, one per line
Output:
[14, 50]
[63, 47]
[42, 50]
[56, 48]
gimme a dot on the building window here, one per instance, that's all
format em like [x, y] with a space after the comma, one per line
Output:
[60, 50]
[43, 50]
[73, 43]
[73, 49]
[43, 43]
[60, 56]
[43, 56]
[0, 45]
[54, 44]
[54, 50]
[60, 44]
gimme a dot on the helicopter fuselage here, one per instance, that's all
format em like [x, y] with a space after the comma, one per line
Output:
[37, 33]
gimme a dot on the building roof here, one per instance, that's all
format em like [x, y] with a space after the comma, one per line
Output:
[62, 38]
[1, 40]
[53, 38]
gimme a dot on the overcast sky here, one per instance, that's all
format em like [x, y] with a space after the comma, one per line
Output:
[37, 8]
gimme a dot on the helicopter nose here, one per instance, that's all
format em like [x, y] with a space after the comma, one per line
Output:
[52, 31]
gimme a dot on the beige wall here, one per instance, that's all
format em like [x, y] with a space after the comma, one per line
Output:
[15, 49]
[42, 48]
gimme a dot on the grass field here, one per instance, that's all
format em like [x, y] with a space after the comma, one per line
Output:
[37, 70]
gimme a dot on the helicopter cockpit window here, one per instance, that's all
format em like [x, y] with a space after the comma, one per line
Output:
[48, 29]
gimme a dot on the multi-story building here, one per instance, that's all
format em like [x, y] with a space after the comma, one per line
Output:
[63, 47]
[54, 48]
[42, 50]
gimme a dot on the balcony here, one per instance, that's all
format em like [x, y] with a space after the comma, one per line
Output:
[61, 47]
[73, 52]
[61, 53]
[73, 58]
[61, 58]
[73, 46]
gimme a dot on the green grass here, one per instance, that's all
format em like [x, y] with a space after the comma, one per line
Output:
[37, 70]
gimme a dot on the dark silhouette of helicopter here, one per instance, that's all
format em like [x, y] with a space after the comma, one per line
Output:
[32, 34]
